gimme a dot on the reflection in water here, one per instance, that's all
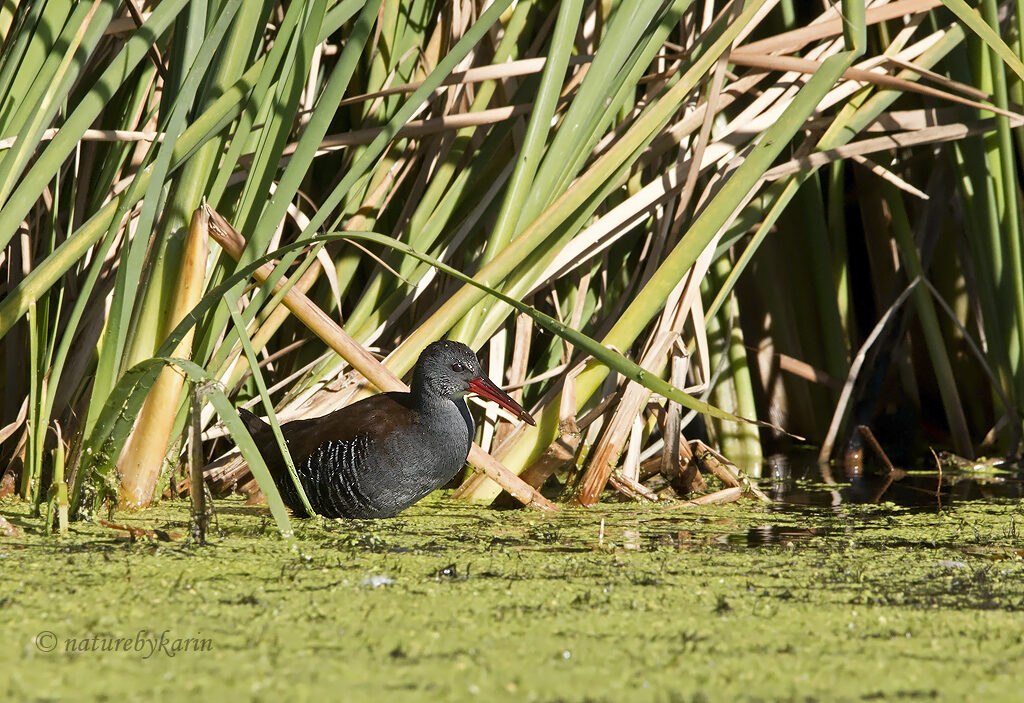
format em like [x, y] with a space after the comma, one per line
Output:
[781, 534]
[800, 485]
[807, 507]
[802, 482]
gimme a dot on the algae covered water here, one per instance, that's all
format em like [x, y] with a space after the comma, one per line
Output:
[825, 601]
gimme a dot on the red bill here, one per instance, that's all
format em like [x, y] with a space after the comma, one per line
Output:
[485, 388]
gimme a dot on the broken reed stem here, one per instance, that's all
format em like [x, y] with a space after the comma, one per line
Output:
[58, 487]
[726, 495]
[712, 461]
[938, 486]
[868, 435]
[631, 488]
[197, 489]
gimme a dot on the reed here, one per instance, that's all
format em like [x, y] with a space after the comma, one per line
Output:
[647, 212]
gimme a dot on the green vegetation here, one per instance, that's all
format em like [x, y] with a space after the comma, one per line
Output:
[759, 224]
[460, 602]
[706, 210]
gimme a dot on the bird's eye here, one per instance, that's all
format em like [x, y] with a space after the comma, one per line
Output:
[458, 367]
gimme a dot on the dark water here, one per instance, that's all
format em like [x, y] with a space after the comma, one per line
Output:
[801, 487]
[801, 481]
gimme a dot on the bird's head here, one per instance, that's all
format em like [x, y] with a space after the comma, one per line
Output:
[450, 369]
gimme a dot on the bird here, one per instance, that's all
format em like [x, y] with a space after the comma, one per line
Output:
[378, 456]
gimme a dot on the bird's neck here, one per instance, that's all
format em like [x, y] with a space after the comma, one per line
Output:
[441, 410]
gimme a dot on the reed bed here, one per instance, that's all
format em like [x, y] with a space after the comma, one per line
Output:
[684, 234]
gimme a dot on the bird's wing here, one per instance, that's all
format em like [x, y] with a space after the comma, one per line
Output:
[369, 417]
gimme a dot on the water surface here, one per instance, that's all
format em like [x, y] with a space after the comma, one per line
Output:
[836, 592]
